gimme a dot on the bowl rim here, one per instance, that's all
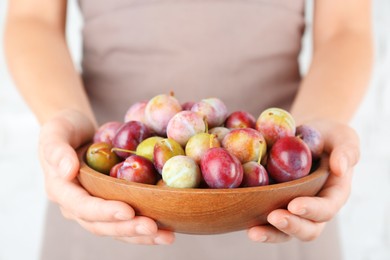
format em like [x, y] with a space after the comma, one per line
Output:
[320, 171]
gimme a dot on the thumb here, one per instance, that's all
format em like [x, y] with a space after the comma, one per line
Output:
[344, 150]
[59, 138]
[61, 158]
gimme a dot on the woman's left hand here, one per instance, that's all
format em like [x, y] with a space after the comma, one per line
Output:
[305, 217]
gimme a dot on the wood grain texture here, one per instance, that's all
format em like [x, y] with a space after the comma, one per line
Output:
[201, 211]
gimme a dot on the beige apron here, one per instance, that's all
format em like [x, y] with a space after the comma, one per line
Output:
[242, 51]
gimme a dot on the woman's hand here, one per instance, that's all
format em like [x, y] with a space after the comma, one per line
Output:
[305, 217]
[59, 138]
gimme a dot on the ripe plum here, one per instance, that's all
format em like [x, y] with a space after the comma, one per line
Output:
[220, 169]
[289, 159]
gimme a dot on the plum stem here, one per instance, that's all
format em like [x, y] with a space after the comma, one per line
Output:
[260, 152]
[167, 144]
[206, 125]
[115, 149]
[101, 151]
[212, 136]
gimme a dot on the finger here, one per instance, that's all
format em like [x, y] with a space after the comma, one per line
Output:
[66, 214]
[138, 226]
[343, 158]
[162, 238]
[142, 240]
[295, 226]
[68, 126]
[327, 203]
[79, 204]
[59, 137]
[343, 147]
[267, 234]
[62, 159]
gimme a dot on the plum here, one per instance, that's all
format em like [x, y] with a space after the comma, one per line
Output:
[254, 175]
[220, 132]
[100, 157]
[187, 105]
[289, 159]
[240, 119]
[106, 132]
[137, 169]
[245, 143]
[213, 109]
[275, 123]
[164, 150]
[313, 138]
[114, 169]
[181, 172]
[220, 169]
[159, 110]
[146, 147]
[184, 125]
[136, 112]
[129, 136]
[198, 144]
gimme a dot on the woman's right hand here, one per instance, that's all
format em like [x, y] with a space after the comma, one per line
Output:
[59, 138]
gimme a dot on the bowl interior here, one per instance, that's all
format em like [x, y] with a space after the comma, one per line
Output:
[201, 210]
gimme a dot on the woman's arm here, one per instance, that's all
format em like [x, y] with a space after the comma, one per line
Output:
[39, 59]
[43, 71]
[341, 64]
[328, 97]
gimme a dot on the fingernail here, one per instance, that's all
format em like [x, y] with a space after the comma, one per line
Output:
[143, 230]
[301, 212]
[282, 223]
[262, 239]
[65, 166]
[160, 241]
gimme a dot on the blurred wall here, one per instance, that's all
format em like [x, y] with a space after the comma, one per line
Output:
[365, 220]
[366, 217]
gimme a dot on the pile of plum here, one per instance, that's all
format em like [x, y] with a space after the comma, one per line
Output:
[198, 144]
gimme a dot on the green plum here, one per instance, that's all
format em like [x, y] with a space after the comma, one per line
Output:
[146, 147]
[164, 150]
[101, 158]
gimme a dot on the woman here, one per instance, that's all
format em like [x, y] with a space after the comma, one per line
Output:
[244, 52]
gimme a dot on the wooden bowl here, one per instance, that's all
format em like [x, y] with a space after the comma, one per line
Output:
[202, 211]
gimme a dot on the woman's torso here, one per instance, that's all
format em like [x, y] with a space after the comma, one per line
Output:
[242, 51]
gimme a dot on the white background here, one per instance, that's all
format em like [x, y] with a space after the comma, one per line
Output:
[364, 221]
